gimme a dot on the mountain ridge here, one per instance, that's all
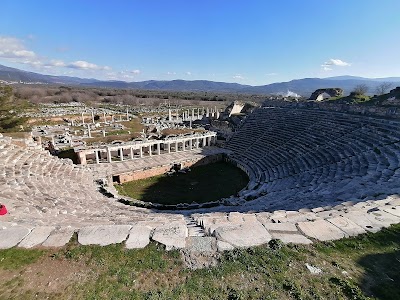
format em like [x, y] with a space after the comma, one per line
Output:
[302, 86]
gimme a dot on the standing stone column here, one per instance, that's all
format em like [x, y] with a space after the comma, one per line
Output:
[197, 143]
[82, 158]
[104, 117]
[92, 117]
[150, 150]
[141, 151]
[183, 145]
[132, 156]
[204, 141]
[169, 115]
[121, 154]
[198, 113]
[169, 148]
[88, 128]
[208, 113]
[83, 119]
[127, 114]
[176, 146]
[192, 114]
[158, 149]
[112, 119]
[96, 152]
[109, 158]
[190, 144]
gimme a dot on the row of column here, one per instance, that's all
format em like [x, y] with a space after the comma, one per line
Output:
[104, 118]
[186, 145]
[196, 114]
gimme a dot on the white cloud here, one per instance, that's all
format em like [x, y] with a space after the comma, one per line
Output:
[326, 68]
[188, 73]
[136, 72]
[171, 73]
[336, 62]
[84, 65]
[14, 48]
[238, 77]
[271, 74]
[55, 63]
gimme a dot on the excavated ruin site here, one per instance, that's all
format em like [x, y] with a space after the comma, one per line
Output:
[314, 174]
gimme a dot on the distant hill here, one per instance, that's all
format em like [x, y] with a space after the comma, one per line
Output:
[304, 86]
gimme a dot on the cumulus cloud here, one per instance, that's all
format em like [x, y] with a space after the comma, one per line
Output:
[171, 73]
[14, 48]
[188, 73]
[136, 72]
[334, 62]
[84, 65]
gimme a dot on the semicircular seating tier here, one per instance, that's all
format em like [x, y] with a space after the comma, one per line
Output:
[299, 158]
[40, 189]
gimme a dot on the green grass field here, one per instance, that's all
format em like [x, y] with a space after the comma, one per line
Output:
[203, 184]
[365, 267]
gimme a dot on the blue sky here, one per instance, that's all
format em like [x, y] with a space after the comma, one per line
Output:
[249, 42]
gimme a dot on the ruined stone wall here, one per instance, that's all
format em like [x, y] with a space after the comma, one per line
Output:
[142, 174]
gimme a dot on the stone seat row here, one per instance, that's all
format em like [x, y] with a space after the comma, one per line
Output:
[336, 147]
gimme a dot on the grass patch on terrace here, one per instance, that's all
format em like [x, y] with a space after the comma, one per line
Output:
[203, 184]
[365, 267]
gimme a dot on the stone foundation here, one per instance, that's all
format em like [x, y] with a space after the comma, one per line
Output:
[142, 174]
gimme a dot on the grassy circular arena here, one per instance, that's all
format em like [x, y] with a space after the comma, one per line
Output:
[203, 184]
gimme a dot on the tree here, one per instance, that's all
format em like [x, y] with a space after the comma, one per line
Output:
[8, 110]
[360, 89]
[383, 88]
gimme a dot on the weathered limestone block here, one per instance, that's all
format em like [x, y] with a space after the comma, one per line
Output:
[103, 235]
[346, 225]
[361, 220]
[235, 217]
[394, 210]
[243, 235]
[172, 235]
[321, 230]
[59, 238]
[224, 246]
[386, 219]
[139, 237]
[291, 238]
[11, 236]
[37, 236]
[285, 227]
